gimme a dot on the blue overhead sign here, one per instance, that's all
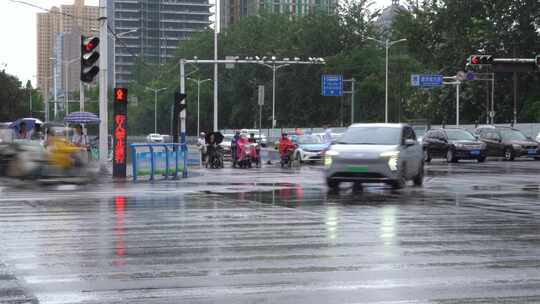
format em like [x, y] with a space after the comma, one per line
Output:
[426, 80]
[332, 85]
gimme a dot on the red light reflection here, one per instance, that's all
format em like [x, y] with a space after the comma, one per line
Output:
[119, 230]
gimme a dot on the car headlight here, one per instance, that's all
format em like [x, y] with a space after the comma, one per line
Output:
[390, 154]
[459, 146]
[328, 157]
[516, 147]
[331, 153]
[393, 157]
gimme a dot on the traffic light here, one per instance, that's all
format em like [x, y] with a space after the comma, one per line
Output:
[476, 60]
[537, 60]
[178, 98]
[120, 94]
[89, 58]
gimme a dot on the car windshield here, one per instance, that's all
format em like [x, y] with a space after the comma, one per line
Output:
[510, 134]
[459, 135]
[371, 136]
[307, 140]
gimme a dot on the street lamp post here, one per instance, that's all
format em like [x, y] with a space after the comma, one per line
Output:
[155, 104]
[198, 82]
[274, 68]
[387, 43]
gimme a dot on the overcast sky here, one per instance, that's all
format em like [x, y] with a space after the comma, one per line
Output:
[18, 34]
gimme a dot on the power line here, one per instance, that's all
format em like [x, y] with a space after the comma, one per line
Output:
[49, 10]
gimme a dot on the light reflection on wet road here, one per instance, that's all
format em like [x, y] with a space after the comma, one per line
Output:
[469, 236]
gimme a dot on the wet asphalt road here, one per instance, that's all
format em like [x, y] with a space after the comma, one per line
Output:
[470, 235]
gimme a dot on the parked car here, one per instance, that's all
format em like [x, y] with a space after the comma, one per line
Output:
[261, 138]
[375, 153]
[453, 144]
[538, 138]
[310, 148]
[155, 138]
[507, 142]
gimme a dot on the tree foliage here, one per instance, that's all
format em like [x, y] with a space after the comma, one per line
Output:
[15, 98]
[440, 35]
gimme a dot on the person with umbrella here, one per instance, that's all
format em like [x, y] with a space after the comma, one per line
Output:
[23, 133]
[79, 138]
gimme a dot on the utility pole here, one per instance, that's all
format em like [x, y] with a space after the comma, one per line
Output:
[216, 87]
[103, 84]
[81, 96]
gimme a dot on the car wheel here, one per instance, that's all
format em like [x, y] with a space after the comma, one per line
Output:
[537, 158]
[419, 179]
[509, 154]
[427, 156]
[297, 159]
[450, 156]
[333, 185]
[482, 159]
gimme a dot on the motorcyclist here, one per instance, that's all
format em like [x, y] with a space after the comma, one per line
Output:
[285, 146]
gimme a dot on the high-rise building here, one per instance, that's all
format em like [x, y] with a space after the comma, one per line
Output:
[58, 42]
[152, 29]
[232, 11]
[48, 25]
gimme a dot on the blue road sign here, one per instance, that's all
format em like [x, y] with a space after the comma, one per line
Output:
[332, 85]
[426, 80]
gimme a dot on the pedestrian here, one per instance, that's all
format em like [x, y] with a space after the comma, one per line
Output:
[234, 147]
[201, 145]
[327, 134]
[80, 139]
[22, 133]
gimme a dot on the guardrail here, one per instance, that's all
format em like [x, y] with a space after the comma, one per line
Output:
[157, 159]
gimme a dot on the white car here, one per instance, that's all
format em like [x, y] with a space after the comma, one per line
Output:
[155, 138]
[261, 138]
[538, 137]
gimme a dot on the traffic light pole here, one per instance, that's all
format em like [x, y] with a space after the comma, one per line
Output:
[103, 100]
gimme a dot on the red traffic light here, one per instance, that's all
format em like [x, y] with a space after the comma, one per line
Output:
[538, 61]
[90, 44]
[120, 94]
[480, 59]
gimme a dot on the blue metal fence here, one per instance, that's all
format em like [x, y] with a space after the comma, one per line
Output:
[159, 158]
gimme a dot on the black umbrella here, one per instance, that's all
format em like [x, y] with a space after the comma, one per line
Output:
[218, 137]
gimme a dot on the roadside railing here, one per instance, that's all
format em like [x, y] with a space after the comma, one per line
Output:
[152, 159]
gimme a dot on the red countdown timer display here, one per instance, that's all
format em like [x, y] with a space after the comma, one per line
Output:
[120, 132]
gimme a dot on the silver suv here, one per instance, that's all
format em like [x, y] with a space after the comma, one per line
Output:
[375, 153]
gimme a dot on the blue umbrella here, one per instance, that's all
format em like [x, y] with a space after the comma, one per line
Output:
[81, 118]
[30, 122]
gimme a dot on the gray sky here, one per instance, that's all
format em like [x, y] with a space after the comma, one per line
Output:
[18, 34]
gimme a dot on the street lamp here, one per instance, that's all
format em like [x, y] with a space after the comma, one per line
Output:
[155, 104]
[198, 82]
[274, 68]
[387, 43]
[118, 36]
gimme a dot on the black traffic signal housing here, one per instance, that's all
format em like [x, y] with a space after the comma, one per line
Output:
[479, 60]
[178, 98]
[89, 58]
